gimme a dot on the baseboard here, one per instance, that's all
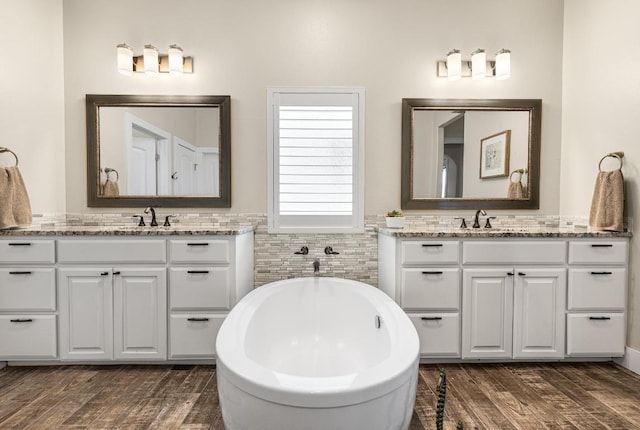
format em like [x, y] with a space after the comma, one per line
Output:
[630, 360]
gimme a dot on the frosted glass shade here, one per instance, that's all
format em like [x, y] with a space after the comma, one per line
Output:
[150, 55]
[478, 64]
[503, 64]
[454, 65]
[175, 59]
[124, 55]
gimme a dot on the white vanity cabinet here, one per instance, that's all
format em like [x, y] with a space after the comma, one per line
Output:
[597, 298]
[115, 310]
[424, 276]
[207, 277]
[27, 299]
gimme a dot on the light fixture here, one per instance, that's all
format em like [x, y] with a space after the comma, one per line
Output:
[478, 64]
[124, 56]
[152, 61]
[150, 58]
[454, 65]
[503, 64]
[175, 59]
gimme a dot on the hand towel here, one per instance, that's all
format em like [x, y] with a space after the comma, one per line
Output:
[515, 191]
[15, 207]
[110, 189]
[607, 206]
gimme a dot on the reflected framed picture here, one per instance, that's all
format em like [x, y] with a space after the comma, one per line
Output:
[494, 155]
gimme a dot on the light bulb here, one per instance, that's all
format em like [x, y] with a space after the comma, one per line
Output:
[175, 59]
[503, 64]
[454, 65]
[150, 54]
[124, 56]
[478, 64]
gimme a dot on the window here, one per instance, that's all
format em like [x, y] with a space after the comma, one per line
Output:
[316, 159]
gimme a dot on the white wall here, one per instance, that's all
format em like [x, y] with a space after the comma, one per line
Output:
[32, 98]
[601, 111]
[242, 47]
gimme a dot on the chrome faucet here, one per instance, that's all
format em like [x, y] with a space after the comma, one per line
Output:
[316, 265]
[476, 221]
[154, 222]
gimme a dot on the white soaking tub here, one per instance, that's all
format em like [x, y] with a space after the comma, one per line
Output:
[317, 353]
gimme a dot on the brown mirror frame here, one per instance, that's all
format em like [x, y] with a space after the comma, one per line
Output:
[533, 106]
[93, 104]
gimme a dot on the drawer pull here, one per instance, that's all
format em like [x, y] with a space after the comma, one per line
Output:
[600, 318]
[431, 318]
[432, 245]
[601, 245]
[509, 273]
[522, 274]
[20, 244]
[21, 320]
[116, 273]
[20, 273]
[198, 319]
[601, 273]
[432, 273]
[197, 244]
[104, 273]
[197, 272]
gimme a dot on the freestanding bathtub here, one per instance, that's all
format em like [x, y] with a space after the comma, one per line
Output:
[317, 353]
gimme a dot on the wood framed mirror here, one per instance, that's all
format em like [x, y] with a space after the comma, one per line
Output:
[464, 153]
[158, 150]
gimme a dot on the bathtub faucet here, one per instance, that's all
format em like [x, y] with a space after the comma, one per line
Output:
[316, 265]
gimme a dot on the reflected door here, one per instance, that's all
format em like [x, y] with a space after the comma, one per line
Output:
[142, 166]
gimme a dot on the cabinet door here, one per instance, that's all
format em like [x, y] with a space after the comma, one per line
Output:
[487, 309]
[140, 313]
[538, 315]
[86, 323]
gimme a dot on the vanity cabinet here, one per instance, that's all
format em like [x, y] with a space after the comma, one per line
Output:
[509, 298]
[112, 312]
[597, 297]
[28, 320]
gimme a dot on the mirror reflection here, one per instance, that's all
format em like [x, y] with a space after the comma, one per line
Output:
[470, 153]
[161, 151]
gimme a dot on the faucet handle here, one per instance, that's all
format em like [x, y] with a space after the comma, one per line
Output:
[303, 251]
[141, 223]
[463, 224]
[488, 224]
[166, 221]
[329, 251]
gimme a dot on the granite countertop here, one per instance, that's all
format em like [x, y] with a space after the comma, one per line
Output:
[92, 230]
[497, 232]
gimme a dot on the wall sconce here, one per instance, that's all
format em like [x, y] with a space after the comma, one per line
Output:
[477, 68]
[152, 61]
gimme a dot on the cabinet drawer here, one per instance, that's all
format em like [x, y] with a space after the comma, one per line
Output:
[603, 288]
[598, 252]
[28, 336]
[601, 334]
[514, 252]
[112, 251]
[430, 288]
[439, 333]
[193, 335]
[430, 252]
[27, 289]
[199, 251]
[27, 251]
[203, 288]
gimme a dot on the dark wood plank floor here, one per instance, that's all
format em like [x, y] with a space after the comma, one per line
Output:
[482, 396]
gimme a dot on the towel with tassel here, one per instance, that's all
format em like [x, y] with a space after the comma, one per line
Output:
[607, 206]
[516, 189]
[109, 188]
[15, 207]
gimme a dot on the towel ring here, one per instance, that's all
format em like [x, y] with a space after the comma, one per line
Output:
[617, 155]
[520, 171]
[3, 149]
[108, 170]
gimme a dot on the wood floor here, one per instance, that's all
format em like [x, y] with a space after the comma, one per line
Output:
[482, 396]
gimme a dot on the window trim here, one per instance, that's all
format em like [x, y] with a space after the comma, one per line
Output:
[273, 220]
